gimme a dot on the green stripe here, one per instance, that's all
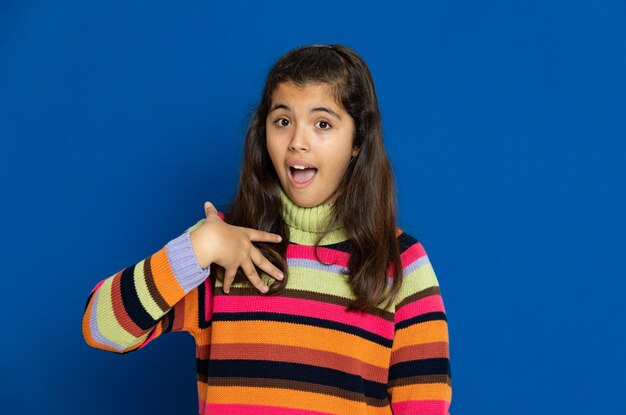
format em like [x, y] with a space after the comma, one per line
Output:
[196, 226]
[143, 293]
[105, 318]
[306, 279]
[417, 280]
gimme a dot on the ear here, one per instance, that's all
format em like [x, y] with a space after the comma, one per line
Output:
[355, 151]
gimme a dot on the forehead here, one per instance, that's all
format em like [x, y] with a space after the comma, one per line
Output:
[308, 93]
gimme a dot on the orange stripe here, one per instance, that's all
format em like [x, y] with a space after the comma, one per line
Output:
[291, 399]
[302, 355]
[164, 279]
[202, 389]
[191, 311]
[427, 332]
[289, 334]
[179, 315]
[203, 337]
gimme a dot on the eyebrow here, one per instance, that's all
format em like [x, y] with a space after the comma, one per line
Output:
[316, 109]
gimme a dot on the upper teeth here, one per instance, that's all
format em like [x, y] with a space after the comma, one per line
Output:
[299, 167]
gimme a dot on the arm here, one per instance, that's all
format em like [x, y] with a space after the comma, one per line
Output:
[419, 372]
[129, 309]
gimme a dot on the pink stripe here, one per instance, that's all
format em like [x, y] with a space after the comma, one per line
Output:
[149, 339]
[329, 256]
[226, 409]
[208, 301]
[432, 407]
[430, 304]
[308, 308]
[412, 254]
[409, 256]
[97, 286]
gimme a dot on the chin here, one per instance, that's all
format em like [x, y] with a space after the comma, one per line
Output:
[304, 201]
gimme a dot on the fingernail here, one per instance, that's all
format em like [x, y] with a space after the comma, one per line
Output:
[264, 289]
[280, 276]
[280, 238]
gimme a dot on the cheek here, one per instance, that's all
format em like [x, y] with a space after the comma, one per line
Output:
[275, 153]
[271, 148]
[340, 165]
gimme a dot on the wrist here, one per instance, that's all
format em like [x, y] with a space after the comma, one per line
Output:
[198, 245]
[186, 269]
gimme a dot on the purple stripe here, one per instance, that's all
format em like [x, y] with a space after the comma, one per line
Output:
[307, 263]
[416, 264]
[93, 326]
[184, 263]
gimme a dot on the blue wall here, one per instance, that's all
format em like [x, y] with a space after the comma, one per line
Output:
[505, 122]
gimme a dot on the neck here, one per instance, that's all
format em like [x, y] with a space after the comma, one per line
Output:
[306, 225]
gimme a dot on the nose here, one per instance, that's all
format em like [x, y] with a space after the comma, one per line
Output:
[299, 139]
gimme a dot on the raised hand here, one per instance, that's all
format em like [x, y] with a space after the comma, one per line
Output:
[231, 247]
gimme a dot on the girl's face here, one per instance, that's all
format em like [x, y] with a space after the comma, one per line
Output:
[310, 142]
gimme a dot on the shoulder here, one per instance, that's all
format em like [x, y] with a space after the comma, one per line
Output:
[418, 276]
[411, 249]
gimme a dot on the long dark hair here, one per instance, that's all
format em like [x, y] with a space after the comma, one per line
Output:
[365, 204]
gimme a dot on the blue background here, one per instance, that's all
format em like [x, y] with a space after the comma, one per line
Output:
[505, 122]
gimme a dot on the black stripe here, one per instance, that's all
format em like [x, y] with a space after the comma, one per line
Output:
[437, 315]
[309, 321]
[202, 294]
[131, 301]
[345, 246]
[423, 367]
[89, 299]
[405, 241]
[168, 320]
[296, 372]
[202, 366]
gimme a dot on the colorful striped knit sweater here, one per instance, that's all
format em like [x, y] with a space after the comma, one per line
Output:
[299, 352]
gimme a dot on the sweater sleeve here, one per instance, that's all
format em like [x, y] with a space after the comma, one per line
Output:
[137, 304]
[419, 372]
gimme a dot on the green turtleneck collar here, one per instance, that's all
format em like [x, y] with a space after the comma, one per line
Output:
[306, 224]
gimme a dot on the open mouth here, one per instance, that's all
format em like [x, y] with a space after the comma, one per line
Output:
[301, 174]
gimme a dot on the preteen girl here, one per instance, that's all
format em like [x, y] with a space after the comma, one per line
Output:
[304, 297]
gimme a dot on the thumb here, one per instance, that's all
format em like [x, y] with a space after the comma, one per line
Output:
[209, 209]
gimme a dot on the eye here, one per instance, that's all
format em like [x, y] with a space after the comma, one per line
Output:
[324, 125]
[282, 122]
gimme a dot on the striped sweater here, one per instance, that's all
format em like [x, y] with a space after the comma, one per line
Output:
[298, 352]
